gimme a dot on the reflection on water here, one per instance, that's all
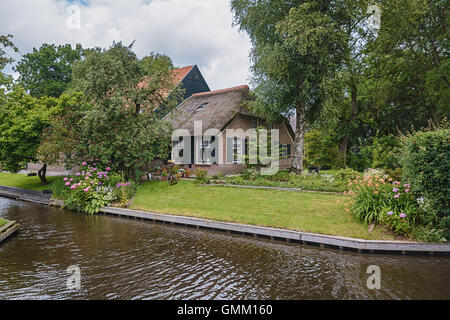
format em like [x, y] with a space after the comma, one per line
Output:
[133, 259]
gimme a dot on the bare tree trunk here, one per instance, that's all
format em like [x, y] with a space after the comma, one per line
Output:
[41, 173]
[343, 143]
[299, 141]
[342, 153]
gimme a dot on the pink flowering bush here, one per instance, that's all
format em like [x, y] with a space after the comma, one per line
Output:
[91, 188]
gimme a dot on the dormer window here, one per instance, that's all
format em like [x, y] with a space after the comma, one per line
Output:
[202, 106]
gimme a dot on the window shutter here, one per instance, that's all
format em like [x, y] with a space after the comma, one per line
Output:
[214, 149]
[289, 150]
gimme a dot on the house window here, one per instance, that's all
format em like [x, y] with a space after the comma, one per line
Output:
[255, 123]
[202, 106]
[237, 150]
[285, 150]
[178, 150]
[206, 150]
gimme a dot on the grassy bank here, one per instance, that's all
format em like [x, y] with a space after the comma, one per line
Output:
[2, 222]
[301, 211]
[25, 182]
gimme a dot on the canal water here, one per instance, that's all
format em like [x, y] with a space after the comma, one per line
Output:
[133, 259]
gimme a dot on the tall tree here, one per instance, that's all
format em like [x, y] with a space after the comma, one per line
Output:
[296, 45]
[22, 121]
[47, 71]
[120, 125]
[5, 59]
[410, 61]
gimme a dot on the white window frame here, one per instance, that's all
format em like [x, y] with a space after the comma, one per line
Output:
[238, 151]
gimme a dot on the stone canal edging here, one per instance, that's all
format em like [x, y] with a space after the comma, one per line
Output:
[359, 245]
[8, 229]
[42, 197]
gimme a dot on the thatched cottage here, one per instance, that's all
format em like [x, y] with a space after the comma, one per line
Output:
[204, 121]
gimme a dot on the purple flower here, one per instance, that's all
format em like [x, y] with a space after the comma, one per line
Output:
[118, 185]
[78, 174]
[108, 169]
[87, 178]
[86, 190]
[73, 187]
[402, 215]
[407, 185]
[71, 179]
[84, 163]
[395, 190]
[390, 213]
[395, 183]
[67, 183]
[406, 190]
[65, 179]
[397, 195]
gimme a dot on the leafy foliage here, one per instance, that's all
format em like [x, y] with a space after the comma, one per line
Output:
[426, 167]
[47, 71]
[91, 188]
[22, 122]
[114, 118]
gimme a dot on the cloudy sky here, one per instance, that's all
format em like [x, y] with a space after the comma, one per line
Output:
[189, 31]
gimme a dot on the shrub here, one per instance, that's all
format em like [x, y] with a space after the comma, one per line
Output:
[426, 166]
[347, 174]
[376, 197]
[91, 188]
[200, 175]
[382, 152]
[306, 181]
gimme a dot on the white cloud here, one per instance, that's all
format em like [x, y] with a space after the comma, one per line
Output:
[189, 31]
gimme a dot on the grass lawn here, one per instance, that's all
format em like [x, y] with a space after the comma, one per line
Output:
[302, 211]
[23, 181]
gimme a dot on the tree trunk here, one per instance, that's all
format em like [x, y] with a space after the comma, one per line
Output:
[343, 143]
[299, 141]
[41, 173]
[342, 153]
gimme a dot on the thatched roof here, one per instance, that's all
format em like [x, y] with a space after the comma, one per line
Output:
[214, 108]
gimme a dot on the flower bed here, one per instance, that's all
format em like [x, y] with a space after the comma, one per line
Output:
[91, 188]
[379, 200]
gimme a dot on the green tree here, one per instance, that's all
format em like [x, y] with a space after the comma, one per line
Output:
[121, 125]
[5, 43]
[22, 121]
[296, 45]
[47, 71]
